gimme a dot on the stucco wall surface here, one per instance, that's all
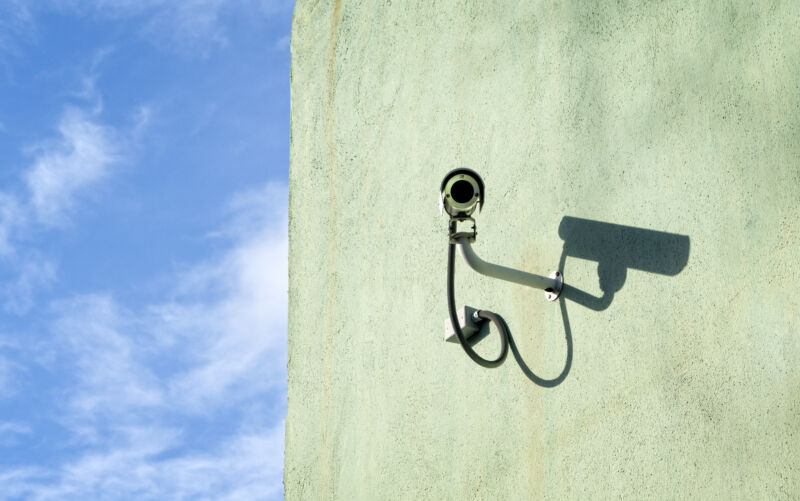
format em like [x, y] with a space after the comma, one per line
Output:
[677, 117]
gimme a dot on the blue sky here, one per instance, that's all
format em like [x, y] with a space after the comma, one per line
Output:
[144, 151]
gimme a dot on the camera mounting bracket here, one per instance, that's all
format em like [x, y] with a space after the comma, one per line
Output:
[470, 233]
[552, 285]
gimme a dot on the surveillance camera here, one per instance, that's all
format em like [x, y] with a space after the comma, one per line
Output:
[461, 192]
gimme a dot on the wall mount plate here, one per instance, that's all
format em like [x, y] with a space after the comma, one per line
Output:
[553, 293]
[473, 331]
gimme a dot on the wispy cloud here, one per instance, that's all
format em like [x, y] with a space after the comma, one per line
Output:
[8, 372]
[11, 432]
[247, 467]
[142, 379]
[111, 377]
[189, 26]
[33, 271]
[11, 215]
[79, 158]
[15, 21]
[231, 311]
[62, 170]
[282, 43]
[245, 332]
[11, 370]
[89, 76]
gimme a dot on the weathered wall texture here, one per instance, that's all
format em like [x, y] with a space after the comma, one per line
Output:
[681, 117]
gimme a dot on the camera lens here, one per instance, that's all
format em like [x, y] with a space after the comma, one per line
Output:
[462, 192]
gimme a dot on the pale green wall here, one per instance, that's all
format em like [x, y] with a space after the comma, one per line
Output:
[682, 117]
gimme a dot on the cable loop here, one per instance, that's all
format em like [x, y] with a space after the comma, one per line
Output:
[484, 314]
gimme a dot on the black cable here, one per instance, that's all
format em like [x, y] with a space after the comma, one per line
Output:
[487, 315]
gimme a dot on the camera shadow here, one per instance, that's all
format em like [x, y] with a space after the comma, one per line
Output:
[616, 248]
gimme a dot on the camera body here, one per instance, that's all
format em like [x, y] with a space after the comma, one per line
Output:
[461, 193]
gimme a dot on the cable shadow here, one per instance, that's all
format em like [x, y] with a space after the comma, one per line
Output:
[616, 248]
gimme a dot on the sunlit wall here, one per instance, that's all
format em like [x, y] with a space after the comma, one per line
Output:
[651, 151]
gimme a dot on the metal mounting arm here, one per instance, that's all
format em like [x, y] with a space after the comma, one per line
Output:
[551, 285]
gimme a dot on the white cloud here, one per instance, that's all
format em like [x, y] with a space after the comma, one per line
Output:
[112, 378]
[63, 169]
[8, 427]
[12, 371]
[187, 26]
[141, 120]
[8, 375]
[139, 378]
[15, 21]
[11, 215]
[11, 432]
[79, 158]
[245, 332]
[241, 334]
[87, 89]
[246, 468]
[32, 273]
[282, 43]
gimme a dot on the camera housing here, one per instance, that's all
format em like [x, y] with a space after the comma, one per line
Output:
[461, 193]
